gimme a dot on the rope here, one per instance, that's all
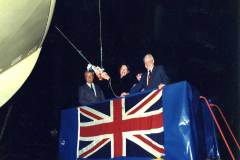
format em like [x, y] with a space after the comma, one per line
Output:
[69, 41]
[218, 126]
[5, 122]
[100, 32]
[100, 38]
[110, 86]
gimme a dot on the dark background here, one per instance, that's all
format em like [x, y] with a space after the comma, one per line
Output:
[196, 40]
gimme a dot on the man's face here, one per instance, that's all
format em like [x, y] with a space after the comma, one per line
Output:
[89, 77]
[123, 70]
[149, 63]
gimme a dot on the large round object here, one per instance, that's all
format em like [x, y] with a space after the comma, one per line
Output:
[23, 27]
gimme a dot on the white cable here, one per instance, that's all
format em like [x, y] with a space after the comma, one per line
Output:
[70, 42]
[100, 32]
[110, 86]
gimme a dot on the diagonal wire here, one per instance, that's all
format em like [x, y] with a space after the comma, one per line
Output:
[69, 41]
[100, 32]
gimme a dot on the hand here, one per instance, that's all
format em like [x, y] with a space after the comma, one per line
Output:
[104, 75]
[98, 74]
[124, 94]
[161, 85]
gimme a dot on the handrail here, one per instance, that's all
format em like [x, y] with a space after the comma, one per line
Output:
[226, 123]
[218, 126]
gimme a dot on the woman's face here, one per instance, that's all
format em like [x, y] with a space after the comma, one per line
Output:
[123, 71]
[139, 76]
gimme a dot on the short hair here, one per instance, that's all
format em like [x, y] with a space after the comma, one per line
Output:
[124, 64]
[148, 55]
[87, 71]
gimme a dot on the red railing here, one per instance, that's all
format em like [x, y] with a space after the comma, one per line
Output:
[214, 106]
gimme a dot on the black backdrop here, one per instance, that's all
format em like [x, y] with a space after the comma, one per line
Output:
[196, 40]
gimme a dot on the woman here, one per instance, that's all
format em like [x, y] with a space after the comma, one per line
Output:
[126, 80]
[123, 84]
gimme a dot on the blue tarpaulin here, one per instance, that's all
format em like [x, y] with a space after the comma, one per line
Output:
[189, 132]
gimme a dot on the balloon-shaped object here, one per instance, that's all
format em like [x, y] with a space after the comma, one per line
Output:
[23, 27]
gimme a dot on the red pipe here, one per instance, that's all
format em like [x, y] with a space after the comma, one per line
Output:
[226, 123]
[218, 126]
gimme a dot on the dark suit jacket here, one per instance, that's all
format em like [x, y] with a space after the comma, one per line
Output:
[158, 76]
[86, 95]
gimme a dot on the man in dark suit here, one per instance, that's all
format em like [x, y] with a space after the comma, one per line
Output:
[90, 92]
[155, 77]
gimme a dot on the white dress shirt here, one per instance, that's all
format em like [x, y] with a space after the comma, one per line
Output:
[91, 85]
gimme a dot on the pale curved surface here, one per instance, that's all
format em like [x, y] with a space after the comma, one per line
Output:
[23, 27]
[13, 78]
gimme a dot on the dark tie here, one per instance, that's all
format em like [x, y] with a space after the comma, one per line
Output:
[149, 76]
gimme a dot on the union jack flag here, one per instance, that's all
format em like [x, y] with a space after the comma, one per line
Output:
[131, 126]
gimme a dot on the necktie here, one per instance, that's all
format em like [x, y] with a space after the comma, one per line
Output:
[149, 77]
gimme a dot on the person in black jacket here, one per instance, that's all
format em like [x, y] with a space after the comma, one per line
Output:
[125, 81]
[90, 92]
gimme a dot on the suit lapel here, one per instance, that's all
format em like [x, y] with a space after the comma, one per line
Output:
[90, 90]
[144, 76]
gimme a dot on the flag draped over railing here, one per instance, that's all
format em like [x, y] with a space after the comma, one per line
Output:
[171, 124]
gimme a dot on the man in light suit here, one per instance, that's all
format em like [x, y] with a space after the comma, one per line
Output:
[155, 77]
[90, 92]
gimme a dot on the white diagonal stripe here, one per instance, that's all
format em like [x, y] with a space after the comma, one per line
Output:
[99, 114]
[91, 145]
[145, 146]
[146, 106]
